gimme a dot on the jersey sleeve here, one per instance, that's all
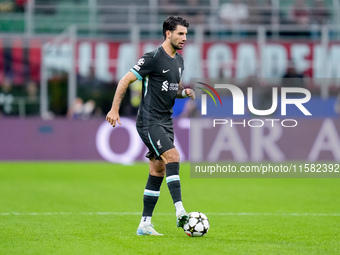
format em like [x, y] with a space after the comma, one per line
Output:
[144, 66]
[182, 66]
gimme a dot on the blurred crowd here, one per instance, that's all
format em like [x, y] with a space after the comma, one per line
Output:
[235, 12]
[13, 5]
[230, 12]
[19, 100]
[94, 97]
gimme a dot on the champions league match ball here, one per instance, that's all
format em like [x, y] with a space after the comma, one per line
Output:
[197, 225]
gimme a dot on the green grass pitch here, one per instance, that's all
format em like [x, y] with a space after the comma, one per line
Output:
[95, 208]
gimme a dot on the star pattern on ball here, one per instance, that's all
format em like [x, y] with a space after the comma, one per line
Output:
[197, 225]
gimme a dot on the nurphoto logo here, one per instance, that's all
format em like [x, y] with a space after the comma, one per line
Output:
[238, 105]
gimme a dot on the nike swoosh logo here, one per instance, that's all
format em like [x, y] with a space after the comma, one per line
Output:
[165, 71]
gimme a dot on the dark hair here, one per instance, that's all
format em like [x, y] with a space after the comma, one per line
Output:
[171, 23]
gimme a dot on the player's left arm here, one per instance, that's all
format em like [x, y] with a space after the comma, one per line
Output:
[182, 92]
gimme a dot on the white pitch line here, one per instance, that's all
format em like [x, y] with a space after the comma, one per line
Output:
[139, 213]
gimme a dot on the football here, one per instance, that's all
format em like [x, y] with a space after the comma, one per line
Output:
[197, 225]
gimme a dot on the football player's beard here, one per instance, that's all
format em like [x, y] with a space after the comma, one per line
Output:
[176, 47]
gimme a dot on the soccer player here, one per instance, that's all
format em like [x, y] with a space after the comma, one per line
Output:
[160, 71]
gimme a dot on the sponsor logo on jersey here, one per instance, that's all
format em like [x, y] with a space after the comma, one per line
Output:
[165, 71]
[165, 86]
[173, 86]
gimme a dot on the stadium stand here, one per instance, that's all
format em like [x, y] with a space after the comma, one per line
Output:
[133, 21]
[52, 16]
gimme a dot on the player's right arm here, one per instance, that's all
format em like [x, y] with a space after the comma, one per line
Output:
[113, 115]
[144, 66]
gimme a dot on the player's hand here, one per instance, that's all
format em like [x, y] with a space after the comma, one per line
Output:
[190, 93]
[112, 117]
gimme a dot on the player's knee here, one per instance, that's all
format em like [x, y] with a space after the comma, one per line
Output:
[157, 172]
[157, 168]
[171, 156]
